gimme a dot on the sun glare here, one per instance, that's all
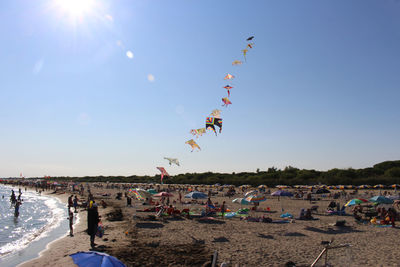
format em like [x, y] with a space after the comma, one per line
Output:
[75, 9]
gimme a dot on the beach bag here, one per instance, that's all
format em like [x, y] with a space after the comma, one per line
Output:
[100, 230]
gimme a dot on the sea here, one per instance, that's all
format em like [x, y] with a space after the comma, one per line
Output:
[41, 220]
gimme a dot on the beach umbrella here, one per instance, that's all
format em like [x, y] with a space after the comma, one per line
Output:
[95, 259]
[282, 193]
[196, 195]
[253, 192]
[364, 186]
[262, 186]
[241, 201]
[254, 198]
[381, 186]
[381, 200]
[395, 186]
[355, 201]
[163, 194]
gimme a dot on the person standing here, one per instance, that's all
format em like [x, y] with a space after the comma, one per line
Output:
[93, 222]
[70, 202]
[71, 223]
[75, 203]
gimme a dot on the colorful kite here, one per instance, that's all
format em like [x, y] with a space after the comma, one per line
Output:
[211, 122]
[172, 160]
[163, 172]
[228, 87]
[229, 77]
[226, 101]
[250, 38]
[216, 113]
[193, 144]
[244, 53]
[198, 132]
[237, 62]
[250, 45]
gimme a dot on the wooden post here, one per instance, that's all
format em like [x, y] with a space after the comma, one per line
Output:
[215, 258]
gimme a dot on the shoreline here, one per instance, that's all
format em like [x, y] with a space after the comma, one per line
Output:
[63, 198]
[54, 230]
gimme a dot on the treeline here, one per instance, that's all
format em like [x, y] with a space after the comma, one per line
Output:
[385, 173]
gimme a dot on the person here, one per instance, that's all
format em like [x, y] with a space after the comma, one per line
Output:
[16, 212]
[71, 223]
[13, 199]
[70, 202]
[223, 209]
[180, 196]
[128, 201]
[75, 203]
[92, 222]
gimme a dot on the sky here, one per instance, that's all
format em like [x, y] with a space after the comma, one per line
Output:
[108, 87]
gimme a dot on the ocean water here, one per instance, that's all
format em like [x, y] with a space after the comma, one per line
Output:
[41, 220]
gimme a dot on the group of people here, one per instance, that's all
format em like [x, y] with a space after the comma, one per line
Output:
[16, 201]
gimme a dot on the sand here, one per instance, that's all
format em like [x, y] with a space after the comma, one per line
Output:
[142, 240]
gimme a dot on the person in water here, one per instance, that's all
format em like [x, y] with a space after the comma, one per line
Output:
[16, 212]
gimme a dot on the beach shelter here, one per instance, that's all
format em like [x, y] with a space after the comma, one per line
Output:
[163, 194]
[196, 195]
[355, 201]
[381, 200]
[322, 191]
[241, 201]
[95, 259]
[152, 191]
[282, 193]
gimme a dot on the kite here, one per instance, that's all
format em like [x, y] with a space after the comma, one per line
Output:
[229, 77]
[237, 62]
[171, 160]
[250, 45]
[163, 172]
[226, 101]
[198, 132]
[211, 122]
[228, 87]
[244, 53]
[250, 38]
[216, 113]
[193, 144]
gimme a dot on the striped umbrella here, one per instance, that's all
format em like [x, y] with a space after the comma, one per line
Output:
[257, 198]
[250, 193]
[355, 201]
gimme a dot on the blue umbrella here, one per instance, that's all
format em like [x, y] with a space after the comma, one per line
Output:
[282, 193]
[95, 259]
[196, 195]
[381, 200]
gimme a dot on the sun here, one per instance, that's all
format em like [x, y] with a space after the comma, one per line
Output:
[75, 9]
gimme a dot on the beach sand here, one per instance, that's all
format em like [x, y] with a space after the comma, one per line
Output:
[142, 240]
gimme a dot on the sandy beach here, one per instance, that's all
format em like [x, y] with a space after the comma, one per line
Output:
[141, 239]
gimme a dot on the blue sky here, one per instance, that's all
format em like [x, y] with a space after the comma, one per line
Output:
[319, 90]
